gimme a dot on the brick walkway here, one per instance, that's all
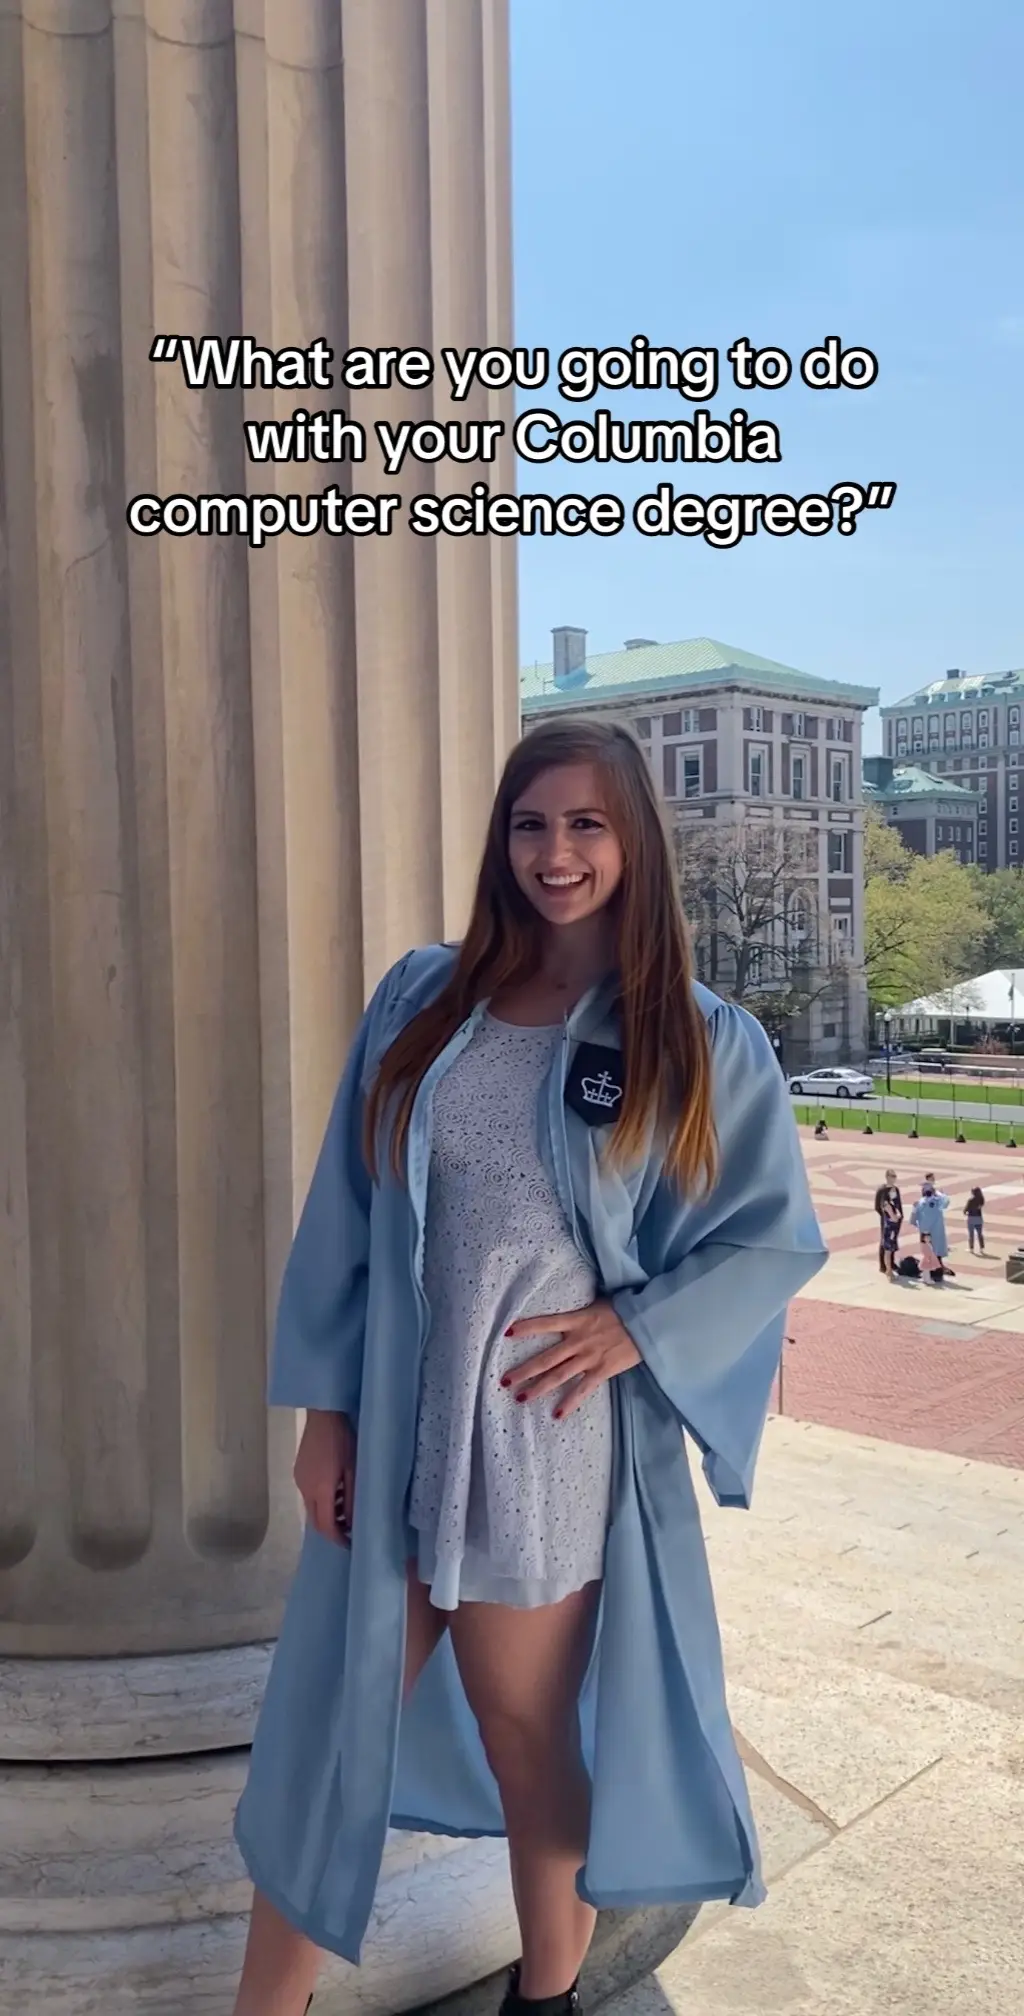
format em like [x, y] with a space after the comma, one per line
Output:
[905, 1379]
[931, 1375]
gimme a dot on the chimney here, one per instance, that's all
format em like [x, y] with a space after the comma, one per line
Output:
[570, 655]
[640, 643]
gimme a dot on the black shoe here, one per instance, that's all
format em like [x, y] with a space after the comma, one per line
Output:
[514, 2004]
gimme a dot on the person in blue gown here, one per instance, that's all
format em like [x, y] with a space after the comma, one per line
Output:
[502, 1621]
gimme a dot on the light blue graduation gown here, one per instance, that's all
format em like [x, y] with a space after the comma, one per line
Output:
[702, 1287]
[929, 1215]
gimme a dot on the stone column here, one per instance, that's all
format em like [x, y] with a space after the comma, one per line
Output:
[233, 787]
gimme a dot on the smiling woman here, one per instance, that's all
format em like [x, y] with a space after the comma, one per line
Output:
[556, 1220]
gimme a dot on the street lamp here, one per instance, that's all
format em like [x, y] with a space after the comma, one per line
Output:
[887, 1021]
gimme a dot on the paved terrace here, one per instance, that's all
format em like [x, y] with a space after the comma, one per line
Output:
[872, 1608]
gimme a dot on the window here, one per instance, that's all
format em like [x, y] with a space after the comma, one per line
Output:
[983, 718]
[1013, 804]
[982, 847]
[1014, 717]
[759, 773]
[642, 724]
[799, 728]
[1013, 825]
[1014, 736]
[1013, 846]
[799, 775]
[840, 846]
[967, 720]
[757, 720]
[918, 745]
[799, 919]
[691, 774]
[982, 741]
[1013, 781]
[671, 724]
[691, 721]
[982, 826]
[755, 965]
[837, 779]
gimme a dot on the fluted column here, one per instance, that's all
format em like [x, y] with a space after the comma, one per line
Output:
[233, 786]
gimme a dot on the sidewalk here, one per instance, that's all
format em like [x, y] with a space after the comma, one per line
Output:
[879, 1692]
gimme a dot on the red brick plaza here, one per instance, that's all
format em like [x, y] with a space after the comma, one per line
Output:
[912, 1364]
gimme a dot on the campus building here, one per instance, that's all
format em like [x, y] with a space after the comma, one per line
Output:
[932, 815]
[744, 741]
[965, 728]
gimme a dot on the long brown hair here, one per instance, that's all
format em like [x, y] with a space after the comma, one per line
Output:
[665, 1043]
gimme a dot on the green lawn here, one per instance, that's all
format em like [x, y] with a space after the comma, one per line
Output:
[964, 1092]
[852, 1119]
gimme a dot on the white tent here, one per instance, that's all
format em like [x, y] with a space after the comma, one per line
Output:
[992, 997]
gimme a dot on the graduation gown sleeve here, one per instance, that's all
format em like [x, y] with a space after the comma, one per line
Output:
[721, 1270]
[317, 1357]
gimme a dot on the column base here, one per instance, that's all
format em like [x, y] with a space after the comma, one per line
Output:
[122, 1894]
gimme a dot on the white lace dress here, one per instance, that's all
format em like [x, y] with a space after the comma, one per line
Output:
[509, 1505]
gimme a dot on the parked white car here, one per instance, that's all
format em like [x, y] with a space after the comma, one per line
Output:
[838, 1081]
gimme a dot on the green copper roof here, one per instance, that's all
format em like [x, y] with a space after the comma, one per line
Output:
[909, 782]
[653, 669]
[960, 689]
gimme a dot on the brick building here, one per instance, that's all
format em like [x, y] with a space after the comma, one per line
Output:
[738, 739]
[932, 815]
[966, 729]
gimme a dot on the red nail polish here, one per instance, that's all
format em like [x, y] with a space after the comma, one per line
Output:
[558, 1413]
[506, 1381]
[520, 1396]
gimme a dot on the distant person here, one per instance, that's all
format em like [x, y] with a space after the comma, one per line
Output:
[929, 1218]
[821, 1131]
[974, 1212]
[889, 1206]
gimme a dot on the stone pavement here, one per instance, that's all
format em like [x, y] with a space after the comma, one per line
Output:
[845, 1172]
[872, 1608]
[909, 1363]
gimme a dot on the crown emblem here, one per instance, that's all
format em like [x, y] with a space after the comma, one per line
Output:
[601, 1091]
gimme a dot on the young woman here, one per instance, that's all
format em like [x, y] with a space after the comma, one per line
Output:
[558, 1215]
[974, 1212]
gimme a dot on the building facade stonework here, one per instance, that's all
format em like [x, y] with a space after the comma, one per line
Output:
[932, 815]
[965, 729]
[745, 742]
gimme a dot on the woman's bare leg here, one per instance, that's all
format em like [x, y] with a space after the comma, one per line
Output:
[522, 1671]
[281, 1965]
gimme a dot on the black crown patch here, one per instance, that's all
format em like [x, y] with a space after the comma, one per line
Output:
[596, 1084]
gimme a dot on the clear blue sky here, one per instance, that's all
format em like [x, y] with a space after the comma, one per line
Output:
[786, 172]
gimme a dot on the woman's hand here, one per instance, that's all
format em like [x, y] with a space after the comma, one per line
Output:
[325, 1473]
[593, 1345]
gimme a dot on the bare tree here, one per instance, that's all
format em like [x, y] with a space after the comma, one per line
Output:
[751, 894]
